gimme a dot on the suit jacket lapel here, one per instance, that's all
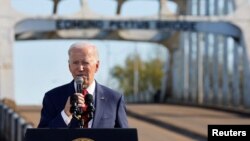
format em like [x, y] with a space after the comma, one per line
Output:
[71, 88]
[100, 101]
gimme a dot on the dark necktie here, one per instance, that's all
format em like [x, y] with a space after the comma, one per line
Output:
[85, 113]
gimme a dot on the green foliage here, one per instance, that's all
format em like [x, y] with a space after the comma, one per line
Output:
[149, 75]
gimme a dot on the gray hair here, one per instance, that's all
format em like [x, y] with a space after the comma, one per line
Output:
[80, 45]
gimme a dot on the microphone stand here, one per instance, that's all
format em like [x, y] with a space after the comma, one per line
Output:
[81, 121]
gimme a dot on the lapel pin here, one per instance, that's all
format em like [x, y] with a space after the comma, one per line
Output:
[102, 98]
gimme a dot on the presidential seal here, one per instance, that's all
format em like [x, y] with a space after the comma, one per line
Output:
[82, 139]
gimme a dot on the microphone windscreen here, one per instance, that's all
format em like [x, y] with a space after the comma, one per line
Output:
[79, 80]
[88, 98]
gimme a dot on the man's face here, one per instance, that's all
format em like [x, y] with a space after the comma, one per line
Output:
[82, 62]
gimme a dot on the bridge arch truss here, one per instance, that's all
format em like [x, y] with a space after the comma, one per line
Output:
[209, 55]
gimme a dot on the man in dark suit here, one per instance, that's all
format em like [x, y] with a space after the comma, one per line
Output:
[110, 110]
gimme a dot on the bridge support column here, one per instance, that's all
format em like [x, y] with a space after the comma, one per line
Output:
[189, 7]
[169, 89]
[246, 88]
[195, 71]
[215, 70]
[185, 65]
[200, 47]
[206, 70]
[164, 11]
[8, 18]
[242, 20]
[236, 94]
[6, 63]
[191, 67]
[182, 65]
[225, 92]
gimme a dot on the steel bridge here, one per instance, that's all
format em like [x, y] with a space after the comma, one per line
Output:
[208, 43]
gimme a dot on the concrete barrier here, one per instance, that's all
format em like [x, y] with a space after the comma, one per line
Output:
[12, 125]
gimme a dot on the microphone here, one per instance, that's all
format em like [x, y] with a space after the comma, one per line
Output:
[74, 109]
[79, 82]
[90, 107]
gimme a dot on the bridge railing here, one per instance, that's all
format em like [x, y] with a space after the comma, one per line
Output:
[12, 125]
[142, 97]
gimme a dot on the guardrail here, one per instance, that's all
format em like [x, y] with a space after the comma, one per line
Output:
[12, 125]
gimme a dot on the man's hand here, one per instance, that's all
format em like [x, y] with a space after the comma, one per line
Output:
[81, 103]
[67, 107]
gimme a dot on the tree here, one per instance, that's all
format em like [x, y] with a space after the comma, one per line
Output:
[149, 74]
